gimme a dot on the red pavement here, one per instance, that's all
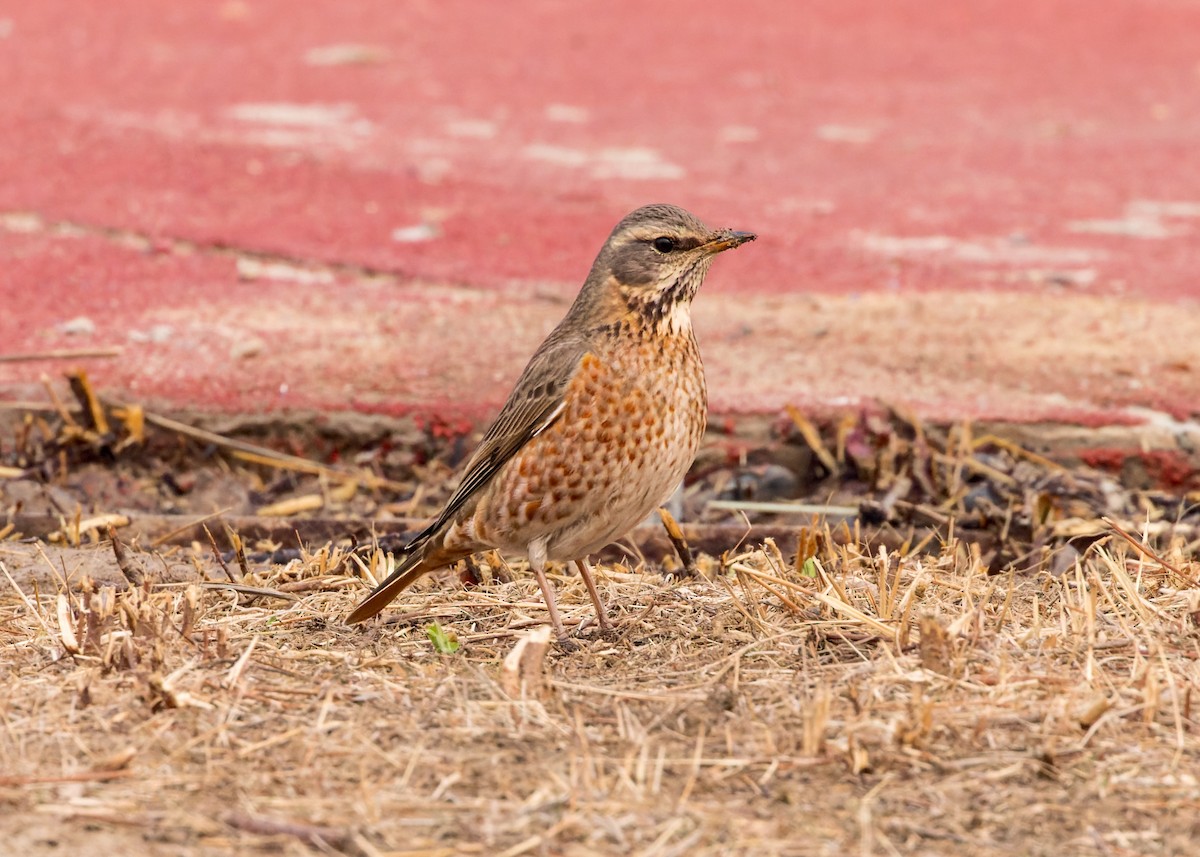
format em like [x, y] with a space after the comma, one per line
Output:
[271, 204]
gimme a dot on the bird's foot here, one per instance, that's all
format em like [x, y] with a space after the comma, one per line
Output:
[606, 630]
[568, 646]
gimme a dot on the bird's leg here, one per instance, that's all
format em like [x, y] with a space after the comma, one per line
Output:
[585, 571]
[537, 561]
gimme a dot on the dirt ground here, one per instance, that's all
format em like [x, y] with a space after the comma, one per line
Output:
[967, 647]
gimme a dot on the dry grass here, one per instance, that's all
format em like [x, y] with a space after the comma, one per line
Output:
[1000, 655]
[847, 702]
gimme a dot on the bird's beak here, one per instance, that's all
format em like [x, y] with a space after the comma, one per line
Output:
[727, 239]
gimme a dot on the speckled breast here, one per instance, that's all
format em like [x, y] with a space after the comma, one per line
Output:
[634, 416]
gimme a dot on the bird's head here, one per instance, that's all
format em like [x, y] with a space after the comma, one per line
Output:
[655, 260]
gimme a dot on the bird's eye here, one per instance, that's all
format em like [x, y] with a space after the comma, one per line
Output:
[663, 244]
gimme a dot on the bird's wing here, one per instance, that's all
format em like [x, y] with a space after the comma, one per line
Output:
[534, 405]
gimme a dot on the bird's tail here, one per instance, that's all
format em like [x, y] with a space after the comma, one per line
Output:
[411, 567]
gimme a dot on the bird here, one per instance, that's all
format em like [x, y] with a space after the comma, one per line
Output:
[602, 425]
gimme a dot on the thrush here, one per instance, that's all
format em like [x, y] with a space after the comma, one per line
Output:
[602, 425]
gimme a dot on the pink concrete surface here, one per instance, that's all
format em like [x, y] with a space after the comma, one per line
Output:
[382, 206]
